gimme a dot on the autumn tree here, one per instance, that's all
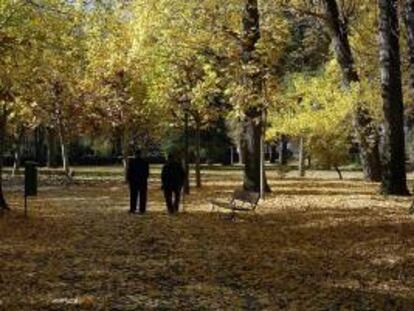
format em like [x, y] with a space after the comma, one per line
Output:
[314, 108]
[19, 31]
[261, 44]
[253, 123]
[182, 78]
[60, 69]
[198, 80]
[366, 128]
[21, 122]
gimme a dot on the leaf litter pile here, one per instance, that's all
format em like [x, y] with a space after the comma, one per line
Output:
[314, 244]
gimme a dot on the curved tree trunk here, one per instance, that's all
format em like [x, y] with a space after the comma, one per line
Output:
[366, 131]
[339, 172]
[394, 174]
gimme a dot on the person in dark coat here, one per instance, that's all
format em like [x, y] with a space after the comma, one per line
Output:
[137, 177]
[172, 178]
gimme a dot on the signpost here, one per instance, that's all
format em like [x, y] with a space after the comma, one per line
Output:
[30, 182]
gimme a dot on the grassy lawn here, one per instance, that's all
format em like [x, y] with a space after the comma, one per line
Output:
[315, 244]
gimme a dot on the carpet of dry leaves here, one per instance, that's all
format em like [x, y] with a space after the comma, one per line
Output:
[315, 244]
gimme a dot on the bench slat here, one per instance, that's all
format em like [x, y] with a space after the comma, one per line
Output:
[239, 200]
[246, 196]
[222, 204]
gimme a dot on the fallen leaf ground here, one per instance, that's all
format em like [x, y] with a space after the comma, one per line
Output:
[315, 244]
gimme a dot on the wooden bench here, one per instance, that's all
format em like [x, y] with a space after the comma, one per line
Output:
[242, 200]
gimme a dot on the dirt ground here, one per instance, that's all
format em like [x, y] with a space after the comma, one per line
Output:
[314, 244]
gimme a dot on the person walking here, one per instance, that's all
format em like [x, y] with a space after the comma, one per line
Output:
[137, 177]
[172, 178]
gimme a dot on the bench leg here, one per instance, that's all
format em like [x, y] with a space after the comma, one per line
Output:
[216, 210]
[256, 217]
[231, 216]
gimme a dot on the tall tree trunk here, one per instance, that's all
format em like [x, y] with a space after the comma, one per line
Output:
[40, 144]
[198, 155]
[3, 122]
[283, 150]
[16, 161]
[64, 154]
[17, 152]
[394, 174]
[58, 89]
[336, 167]
[252, 164]
[301, 157]
[126, 150]
[186, 154]
[51, 147]
[253, 122]
[368, 138]
[366, 131]
[64, 149]
[270, 152]
[409, 25]
[240, 153]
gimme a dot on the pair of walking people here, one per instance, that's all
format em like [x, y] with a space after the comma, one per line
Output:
[172, 178]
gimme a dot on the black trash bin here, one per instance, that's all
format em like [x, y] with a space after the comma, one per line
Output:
[30, 179]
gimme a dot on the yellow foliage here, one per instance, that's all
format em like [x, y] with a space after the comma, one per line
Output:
[312, 105]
